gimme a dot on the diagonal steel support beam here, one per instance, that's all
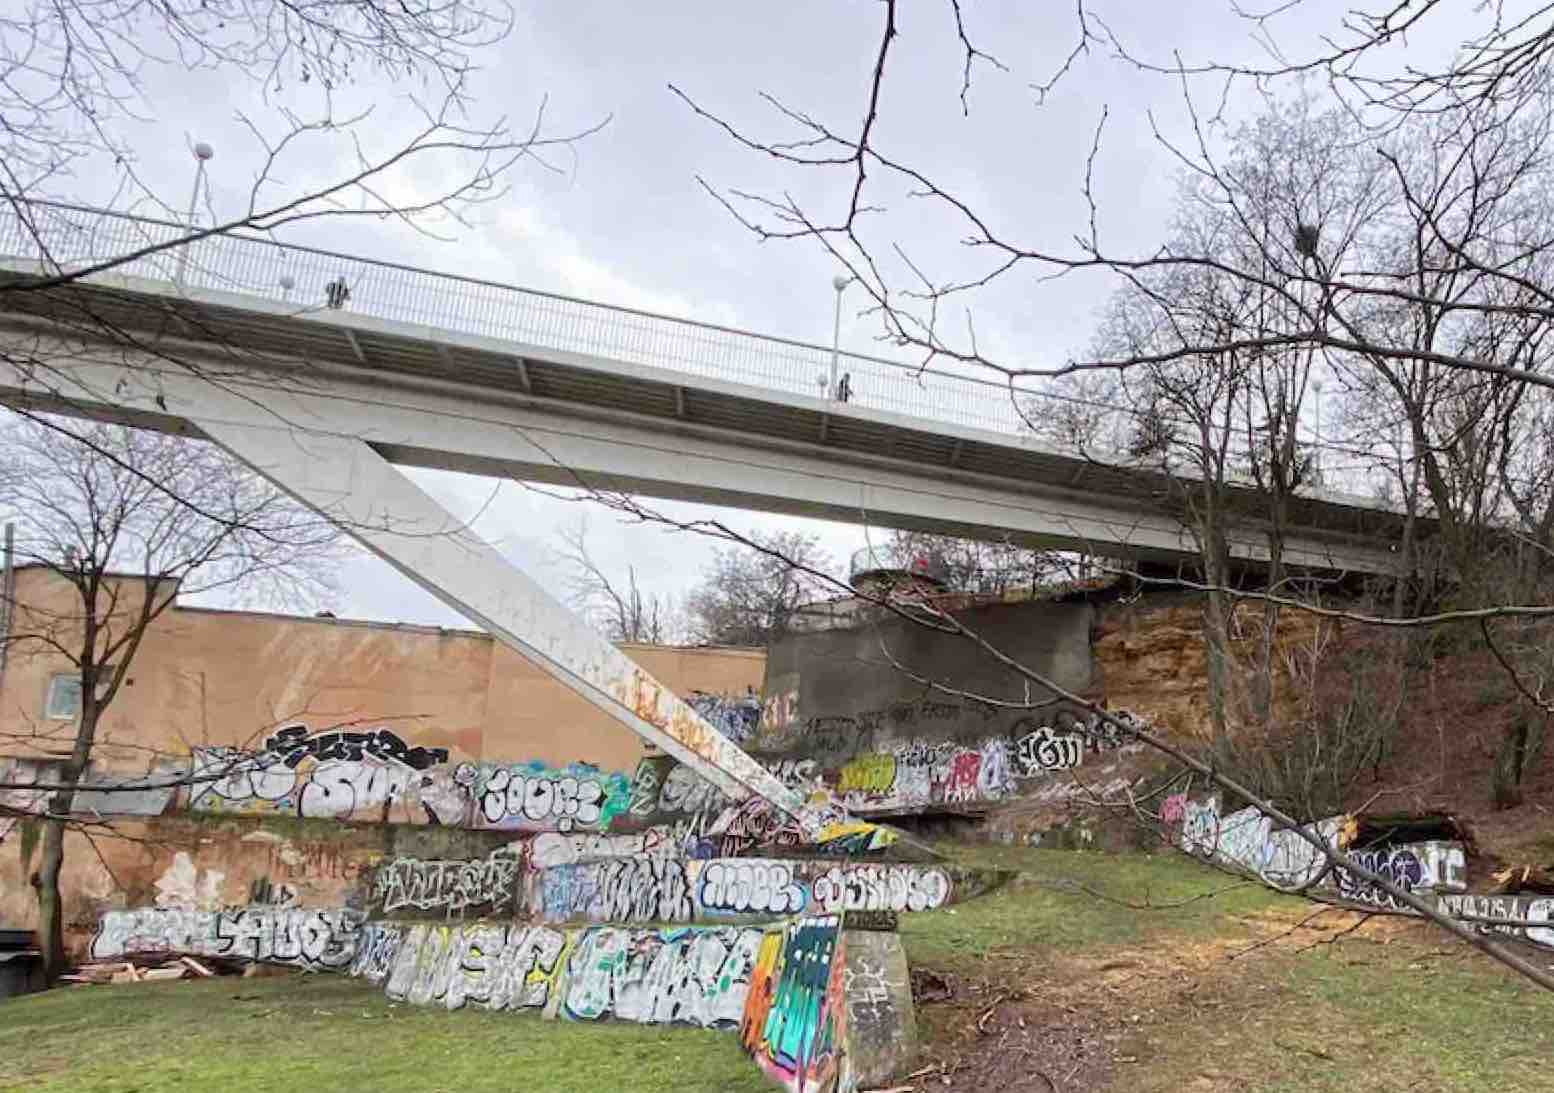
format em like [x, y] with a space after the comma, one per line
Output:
[313, 450]
[374, 503]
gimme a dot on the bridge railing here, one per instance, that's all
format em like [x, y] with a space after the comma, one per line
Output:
[72, 238]
[69, 237]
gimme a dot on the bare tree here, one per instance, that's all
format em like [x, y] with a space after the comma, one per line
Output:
[78, 79]
[129, 521]
[619, 609]
[973, 565]
[748, 595]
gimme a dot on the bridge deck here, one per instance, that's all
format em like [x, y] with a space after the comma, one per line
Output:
[264, 304]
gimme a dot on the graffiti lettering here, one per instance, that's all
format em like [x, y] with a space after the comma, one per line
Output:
[794, 1011]
[449, 886]
[535, 797]
[1045, 750]
[881, 888]
[306, 938]
[638, 889]
[748, 887]
[872, 774]
[694, 977]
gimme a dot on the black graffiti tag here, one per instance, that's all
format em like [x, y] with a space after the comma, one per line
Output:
[293, 744]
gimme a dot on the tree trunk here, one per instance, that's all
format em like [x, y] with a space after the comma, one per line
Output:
[51, 918]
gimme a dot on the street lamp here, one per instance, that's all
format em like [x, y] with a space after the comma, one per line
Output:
[839, 283]
[1316, 385]
[202, 154]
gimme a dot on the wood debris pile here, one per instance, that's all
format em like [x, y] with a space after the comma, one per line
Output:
[147, 970]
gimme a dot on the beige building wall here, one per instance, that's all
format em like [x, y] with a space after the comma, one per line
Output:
[204, 677]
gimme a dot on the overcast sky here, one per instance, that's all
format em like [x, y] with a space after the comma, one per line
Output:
[623, 220]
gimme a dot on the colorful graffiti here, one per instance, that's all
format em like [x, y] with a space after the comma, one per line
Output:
[637, 889]
[534, 797]
[795, 1015]
[1285, 859]
[897, 772]
[315, 939]
[735, 716]
[496, 966]
[688, 976]
[751, 886]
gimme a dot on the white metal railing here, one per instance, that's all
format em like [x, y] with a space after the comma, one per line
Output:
[73, 237]
[70, 238]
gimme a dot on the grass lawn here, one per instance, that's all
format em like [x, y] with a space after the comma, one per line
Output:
[1055, 981]
[1227, 992]
[330, 1033]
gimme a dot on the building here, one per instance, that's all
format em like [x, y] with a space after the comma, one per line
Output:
[287, 718]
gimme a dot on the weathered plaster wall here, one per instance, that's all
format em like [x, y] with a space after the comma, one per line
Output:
[843, 706]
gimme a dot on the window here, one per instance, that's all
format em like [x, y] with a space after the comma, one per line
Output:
[64, 697]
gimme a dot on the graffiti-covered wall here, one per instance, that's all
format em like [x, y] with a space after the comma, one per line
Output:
[850, 707]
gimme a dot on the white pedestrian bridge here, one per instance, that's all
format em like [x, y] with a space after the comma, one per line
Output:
[447, 371]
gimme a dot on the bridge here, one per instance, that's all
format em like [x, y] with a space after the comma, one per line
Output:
[321, 371]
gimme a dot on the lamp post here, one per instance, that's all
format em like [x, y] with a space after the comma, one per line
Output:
[839, 283]
[1316, 385]
[202, 154]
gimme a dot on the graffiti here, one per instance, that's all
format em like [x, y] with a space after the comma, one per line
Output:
[993, 776]
[331, 774]
[794, 773]
[550, 848]
[1043, 750]
[746, 887]
[263, 891]
[494, 966]
[962, 783]
[870, 994]
[736, 717]
[535, 797]
[689, 976]
[794, 1014]
[377, 945]
[781, 707]
[646, 784]
[1200, 827]
[1398, 866]
[1173, 809]
[753, 823]
[1521, 917]
[448, 886]
[881, 888]
[292, 744]
[317, 939]
[687, 792]
[870, 774]
[1287, 859]
[640, 889]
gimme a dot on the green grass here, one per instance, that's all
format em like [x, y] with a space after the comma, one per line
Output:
[1393, 1007]
[328, 1032]
[1386, 1018]
[1072, 900]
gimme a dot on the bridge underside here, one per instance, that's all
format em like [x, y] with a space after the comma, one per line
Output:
[461, 402]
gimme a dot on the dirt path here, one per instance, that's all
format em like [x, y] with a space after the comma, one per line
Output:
[1068, 1024]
